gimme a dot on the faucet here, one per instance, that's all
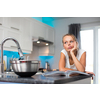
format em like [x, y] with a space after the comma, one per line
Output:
[19, 51]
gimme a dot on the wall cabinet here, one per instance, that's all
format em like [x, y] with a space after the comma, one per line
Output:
[23, 30]
[39, 30]
[1, 20]
[1, 34]
[26, 38]
[50, 34]
[18, 28]
[9, 45]
[13, 34]
[15, 23]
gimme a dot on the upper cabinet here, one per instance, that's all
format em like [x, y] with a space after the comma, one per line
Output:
[26, 38]
[15, 23]
[23, 29]
[50, 34]
[19, 29]
[1, 34]
[38, 29]
[1, 20]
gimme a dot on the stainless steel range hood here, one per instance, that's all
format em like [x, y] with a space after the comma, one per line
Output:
[40, 41]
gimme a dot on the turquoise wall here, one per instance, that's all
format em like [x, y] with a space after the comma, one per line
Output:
[46, 20]
[49, 59]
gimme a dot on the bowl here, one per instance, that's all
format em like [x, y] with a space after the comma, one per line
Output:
[25, 68]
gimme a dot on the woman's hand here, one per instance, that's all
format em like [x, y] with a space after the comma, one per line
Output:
[75, 47]
[90, 73]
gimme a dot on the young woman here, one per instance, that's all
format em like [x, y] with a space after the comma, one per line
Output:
[72, 58]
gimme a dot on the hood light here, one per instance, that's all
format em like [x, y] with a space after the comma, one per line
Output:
[38, 41]
[46, 44]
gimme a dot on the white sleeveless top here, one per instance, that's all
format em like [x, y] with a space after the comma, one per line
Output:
[79, 54]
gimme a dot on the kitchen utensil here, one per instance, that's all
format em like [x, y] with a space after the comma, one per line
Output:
[25, 68]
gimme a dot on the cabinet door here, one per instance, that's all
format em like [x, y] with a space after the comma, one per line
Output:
[1, 20]
[26, 29]
[26, 39]
[26, 46]
[50, 34]
[14, 35]
[39, 30]
[1, 34]
[15, 23]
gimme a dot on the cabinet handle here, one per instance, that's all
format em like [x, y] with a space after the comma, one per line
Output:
[14, 28]
[0, 23]
[13, 46]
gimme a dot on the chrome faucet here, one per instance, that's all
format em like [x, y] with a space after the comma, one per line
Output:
[19, 51]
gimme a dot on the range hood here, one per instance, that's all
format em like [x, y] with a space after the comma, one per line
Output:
[40, 41]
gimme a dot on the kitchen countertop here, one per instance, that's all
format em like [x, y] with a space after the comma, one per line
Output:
[39, 79]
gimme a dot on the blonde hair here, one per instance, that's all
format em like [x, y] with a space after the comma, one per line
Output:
[74, 38]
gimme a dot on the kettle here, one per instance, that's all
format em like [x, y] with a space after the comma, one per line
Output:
[47, 66]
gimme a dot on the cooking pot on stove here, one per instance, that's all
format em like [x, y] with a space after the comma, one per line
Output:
[25, 68]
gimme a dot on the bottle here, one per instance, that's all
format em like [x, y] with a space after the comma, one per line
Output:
[47, 66]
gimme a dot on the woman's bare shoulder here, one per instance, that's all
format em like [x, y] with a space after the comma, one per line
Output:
[62, 55]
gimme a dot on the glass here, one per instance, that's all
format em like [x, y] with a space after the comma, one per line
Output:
[87, 45]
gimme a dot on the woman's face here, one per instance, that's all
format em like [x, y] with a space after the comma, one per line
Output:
[68, 43]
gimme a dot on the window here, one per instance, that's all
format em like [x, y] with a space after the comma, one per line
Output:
[87, 45]
[99, 55]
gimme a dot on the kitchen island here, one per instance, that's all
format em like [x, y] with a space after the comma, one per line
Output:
[38, 78]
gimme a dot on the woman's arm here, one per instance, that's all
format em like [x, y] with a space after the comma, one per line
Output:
[80, 65]
[62, 63]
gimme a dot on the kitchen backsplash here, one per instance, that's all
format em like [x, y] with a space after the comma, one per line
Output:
[9, 55]
[49, 59]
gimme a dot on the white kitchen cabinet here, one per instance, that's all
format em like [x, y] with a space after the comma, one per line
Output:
[14, 23]
[50, 34]
[9, 44]
[15, 35]
[1, 20]
[26, 38]
[39, 29]
[1, 34]
[18, 28]
[23, 29]
[26, 46]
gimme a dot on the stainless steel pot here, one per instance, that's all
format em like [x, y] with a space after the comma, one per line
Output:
[25, 68]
